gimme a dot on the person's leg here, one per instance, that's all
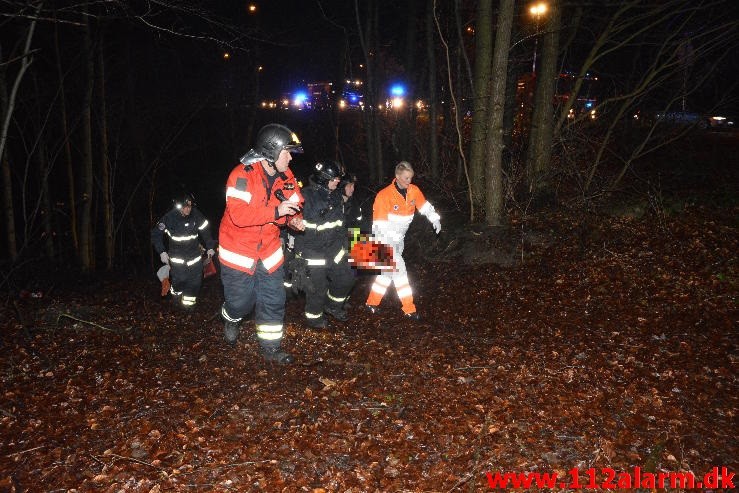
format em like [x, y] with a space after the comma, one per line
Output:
[315, 297]
[402, 284]
[269, 314]
[239, 300]
[341, 282]
[193, 278]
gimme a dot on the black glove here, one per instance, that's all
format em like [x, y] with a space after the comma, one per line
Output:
[299, 274]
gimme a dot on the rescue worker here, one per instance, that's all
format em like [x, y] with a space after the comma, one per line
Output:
[261, 195]
[184, 228]
[392, 213]
[324, 246]
[352, 209]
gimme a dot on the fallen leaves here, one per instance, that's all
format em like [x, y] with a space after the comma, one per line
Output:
[613, 358]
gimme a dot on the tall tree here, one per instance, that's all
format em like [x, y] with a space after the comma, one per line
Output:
[7, 107]
[494, 143]
[542, 120]
[67, 142]
[406, 124]
[433, 103]
[481, 97]
[368, 38]
[106, 200]
[87, 240]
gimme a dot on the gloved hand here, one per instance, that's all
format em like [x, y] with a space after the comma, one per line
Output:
[164, 257]
[437, 226]
[210, 253]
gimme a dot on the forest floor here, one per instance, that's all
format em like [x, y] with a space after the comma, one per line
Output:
[593, 350]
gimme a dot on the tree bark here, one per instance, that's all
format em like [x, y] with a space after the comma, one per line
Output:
[71, 183]
[481, 96]
[494, 145]
[542, 120]
[367, 38]
[432, 108]
[106, 201]
[8, 105]
[86, 237]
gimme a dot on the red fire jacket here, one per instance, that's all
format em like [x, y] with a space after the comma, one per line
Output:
[249, 229]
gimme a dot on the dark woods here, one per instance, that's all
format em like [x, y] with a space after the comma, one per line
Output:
[107, 109]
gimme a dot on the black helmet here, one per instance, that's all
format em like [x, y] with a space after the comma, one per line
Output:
[325, 171]
[182, 199]
[273, 138]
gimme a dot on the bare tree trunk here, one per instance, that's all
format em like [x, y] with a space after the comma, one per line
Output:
[367, 40]
[42, 174]
[86, 238]
[481, 96]
[406, 123]
[454, 110]
[542, 120]
[494, 197]
[71, 185]
[7, 104]
[47, 213]
[377, 133]
[106, 201]
[10, 239]
[433, 113]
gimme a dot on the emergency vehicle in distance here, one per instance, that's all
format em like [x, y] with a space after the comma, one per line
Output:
[584, 104]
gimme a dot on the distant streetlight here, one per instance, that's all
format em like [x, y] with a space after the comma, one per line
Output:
[252, 8]
[537, 11]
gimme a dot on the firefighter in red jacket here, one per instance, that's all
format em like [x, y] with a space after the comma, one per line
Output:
[262, 195]
[392, 213]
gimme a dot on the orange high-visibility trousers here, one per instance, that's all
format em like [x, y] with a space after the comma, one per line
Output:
[398, 277]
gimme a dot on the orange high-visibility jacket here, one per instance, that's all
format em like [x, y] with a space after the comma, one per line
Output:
[392, 213]
[250, 229]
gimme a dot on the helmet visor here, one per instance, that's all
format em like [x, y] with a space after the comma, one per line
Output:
[294, 146]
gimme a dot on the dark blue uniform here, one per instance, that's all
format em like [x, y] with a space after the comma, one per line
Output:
[184, 235]
[324, 245]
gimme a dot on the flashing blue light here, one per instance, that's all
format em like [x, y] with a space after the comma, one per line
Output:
[353, 98]
[397, 90]
[300, 98]
[589, 104]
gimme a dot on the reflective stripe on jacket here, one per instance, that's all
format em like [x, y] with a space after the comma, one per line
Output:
[183, 234]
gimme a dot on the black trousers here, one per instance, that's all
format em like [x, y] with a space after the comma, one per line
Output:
[186, 279]
[332, 278]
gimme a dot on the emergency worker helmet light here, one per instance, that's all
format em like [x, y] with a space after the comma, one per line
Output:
[183, 199]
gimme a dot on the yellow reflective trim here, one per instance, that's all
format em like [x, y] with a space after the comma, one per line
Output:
[181, 238]
[269, 332]
[334, 298]
[225, 315]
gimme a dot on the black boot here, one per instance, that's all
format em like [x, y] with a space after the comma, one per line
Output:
[231, 331]
[316, 323]
[339, 313]
[277, 355]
